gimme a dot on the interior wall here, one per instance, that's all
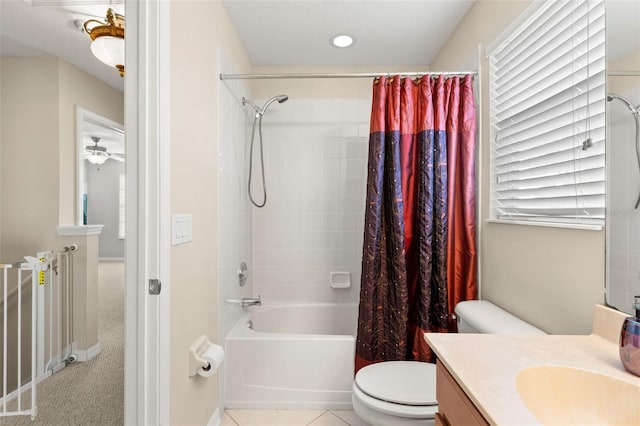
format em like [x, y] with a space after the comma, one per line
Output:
[30, 150]
[198, 31]
[312, 225]
[103, 205]
[621, 84]
[623, 186]
[316, 148]
[549, 277]
[235, 212]
[77, 88]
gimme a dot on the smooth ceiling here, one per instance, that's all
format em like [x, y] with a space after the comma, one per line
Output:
[285, 32]
[389, 32]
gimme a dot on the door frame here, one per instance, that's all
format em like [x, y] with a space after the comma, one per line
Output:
[147, 216]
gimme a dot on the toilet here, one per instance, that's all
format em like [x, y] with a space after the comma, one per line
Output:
[398, 393]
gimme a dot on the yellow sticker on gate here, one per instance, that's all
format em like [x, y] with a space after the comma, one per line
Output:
[41, 274]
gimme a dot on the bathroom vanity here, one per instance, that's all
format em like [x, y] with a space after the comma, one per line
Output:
[454, 406]
[530, 380]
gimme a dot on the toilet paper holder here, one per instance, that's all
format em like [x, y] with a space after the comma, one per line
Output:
[195, 351]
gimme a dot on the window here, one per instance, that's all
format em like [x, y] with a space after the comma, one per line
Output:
[121, 202]
[547, 94]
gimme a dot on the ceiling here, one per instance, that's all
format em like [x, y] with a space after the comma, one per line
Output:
[47, 28]
[110, 138]
[390, 32]
[284, 32]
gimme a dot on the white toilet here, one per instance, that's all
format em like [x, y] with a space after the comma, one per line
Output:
[399, 393]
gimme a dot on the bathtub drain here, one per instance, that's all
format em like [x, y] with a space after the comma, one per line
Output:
[250, 324]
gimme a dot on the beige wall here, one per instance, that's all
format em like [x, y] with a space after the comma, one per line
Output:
[550, 277]
[30, 151]
[77, 88]
[39, 96]
[194, 113]
[348, 88]
[620, 84]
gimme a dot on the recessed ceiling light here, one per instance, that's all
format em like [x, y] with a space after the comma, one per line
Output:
[342, 40]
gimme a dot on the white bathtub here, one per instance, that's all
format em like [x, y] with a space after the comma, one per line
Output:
[294, 356]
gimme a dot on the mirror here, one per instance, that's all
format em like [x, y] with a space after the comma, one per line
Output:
[623, 154]
[100, 183]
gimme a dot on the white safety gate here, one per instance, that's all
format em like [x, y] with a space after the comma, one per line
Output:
[36, 305]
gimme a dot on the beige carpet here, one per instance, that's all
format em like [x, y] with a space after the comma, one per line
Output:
[89, 393]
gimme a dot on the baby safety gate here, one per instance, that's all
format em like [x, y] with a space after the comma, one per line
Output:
[36, 306]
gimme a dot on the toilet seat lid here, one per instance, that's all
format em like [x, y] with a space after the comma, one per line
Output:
[400, 382]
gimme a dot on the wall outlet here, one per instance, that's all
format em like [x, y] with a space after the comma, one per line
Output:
[181, 231]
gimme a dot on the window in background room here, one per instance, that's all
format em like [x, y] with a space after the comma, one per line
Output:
[547, 94]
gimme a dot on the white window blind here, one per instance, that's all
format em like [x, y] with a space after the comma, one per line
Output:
[547, 96]
[121, 203]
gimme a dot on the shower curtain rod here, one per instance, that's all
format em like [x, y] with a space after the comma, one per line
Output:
[337, 75]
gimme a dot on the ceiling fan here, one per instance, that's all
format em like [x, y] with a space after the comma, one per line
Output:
[96, 154]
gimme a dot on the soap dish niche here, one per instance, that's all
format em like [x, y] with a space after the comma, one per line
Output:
[340, 279]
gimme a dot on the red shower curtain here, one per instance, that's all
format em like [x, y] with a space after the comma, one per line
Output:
[419, 255]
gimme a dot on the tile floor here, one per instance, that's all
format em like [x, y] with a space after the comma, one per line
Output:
[291, 418]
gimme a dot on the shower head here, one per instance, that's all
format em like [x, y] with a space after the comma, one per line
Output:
[260, 111]
[612, 96]
[280, 98]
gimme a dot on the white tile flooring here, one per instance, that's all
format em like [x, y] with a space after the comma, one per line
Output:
[291, 418]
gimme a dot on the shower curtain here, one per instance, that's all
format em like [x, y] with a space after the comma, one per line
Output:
[419, 251]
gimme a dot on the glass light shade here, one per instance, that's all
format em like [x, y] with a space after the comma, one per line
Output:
[109, 50]
[97, 158]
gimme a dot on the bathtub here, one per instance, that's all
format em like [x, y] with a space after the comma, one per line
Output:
[292, 356]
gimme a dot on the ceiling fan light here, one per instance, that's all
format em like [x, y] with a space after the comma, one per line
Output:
[97, 157]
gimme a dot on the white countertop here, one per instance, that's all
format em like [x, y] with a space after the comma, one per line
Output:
[486, 366]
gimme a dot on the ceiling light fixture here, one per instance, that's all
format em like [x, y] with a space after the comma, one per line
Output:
[108, 40]
[341, 40]
[97, 157]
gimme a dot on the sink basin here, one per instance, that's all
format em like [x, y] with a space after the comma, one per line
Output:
[569, 396]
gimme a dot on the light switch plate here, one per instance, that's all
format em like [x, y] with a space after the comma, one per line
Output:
[181, 231]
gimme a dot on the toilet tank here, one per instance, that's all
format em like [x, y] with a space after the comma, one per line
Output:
[481, 316]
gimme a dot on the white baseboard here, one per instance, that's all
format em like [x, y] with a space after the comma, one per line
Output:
[215, 419]
[111, 259]
[88, 354]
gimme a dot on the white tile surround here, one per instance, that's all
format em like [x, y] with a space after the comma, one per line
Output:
[315, 162]
[623, 231]
[234, 220]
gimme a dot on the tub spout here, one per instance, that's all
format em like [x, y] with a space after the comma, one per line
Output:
[251, 301]
[246, 301]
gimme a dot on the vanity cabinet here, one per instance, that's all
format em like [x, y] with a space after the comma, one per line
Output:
[454, 406]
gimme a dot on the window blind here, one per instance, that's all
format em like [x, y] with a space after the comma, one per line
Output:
[121, 204]
[547, 95]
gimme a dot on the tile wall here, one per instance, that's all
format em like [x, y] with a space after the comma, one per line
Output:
[312, 225]
[234, 220]
[623, 227]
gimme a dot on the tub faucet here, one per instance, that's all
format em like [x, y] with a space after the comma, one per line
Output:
[251, 301]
